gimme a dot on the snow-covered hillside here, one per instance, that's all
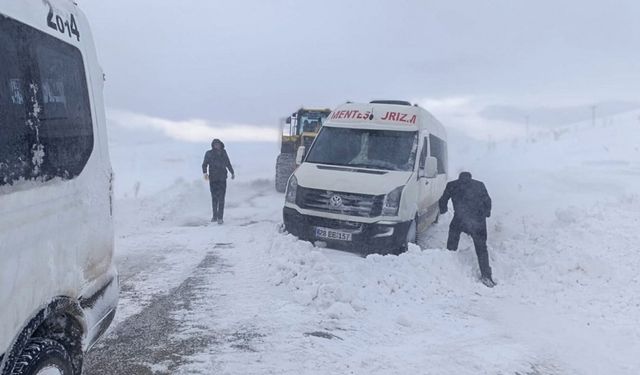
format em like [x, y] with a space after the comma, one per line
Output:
[246, 299]
[146, 161]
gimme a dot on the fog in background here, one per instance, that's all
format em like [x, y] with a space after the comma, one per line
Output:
[193, 68]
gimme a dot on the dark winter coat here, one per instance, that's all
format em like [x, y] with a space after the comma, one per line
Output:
[471, 201]
[216, 163]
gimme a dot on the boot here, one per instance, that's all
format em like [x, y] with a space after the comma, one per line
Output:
[488, 281]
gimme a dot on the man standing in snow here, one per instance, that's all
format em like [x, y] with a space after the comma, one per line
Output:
[472, 207]
[214, 167]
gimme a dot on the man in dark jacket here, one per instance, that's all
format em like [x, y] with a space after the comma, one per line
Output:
[472, 207]
[215, 165]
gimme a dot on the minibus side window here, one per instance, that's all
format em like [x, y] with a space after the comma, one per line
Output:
[423, 153]
[46, 129]
[439, 151]
[15, 137]
[66, 131]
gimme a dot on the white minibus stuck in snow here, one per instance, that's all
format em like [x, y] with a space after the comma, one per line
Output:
[58, 283]
[371, 180]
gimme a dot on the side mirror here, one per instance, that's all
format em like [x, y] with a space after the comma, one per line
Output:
[431, 167]
[288, 121]
[300, 155]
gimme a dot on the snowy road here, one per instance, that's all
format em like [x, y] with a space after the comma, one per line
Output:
[245, 299]
[171, 275]
[146, 335]
[200, 299]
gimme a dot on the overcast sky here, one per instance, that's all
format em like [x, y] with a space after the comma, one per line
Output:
[254, 61]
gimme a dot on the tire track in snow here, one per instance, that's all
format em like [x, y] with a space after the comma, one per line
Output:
[160, 338]
[149, 342]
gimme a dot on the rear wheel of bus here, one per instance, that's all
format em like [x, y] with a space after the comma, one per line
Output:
[43, 357]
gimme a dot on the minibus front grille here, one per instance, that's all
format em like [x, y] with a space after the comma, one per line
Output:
[350, 226]
[350, 204]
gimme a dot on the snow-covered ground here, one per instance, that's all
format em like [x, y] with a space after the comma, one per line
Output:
[244, 298]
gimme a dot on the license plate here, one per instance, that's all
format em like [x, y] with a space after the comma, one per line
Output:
[330, 234]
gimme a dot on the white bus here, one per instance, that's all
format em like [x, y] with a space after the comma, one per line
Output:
[371, 180]
[58, 283]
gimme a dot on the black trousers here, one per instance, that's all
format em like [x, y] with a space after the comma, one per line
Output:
[218, 192]
[478, 232]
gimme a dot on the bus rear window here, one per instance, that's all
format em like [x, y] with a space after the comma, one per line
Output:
[46, 129]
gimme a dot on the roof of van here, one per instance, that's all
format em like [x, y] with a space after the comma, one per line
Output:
[314, 109]
[394, 102]
[387, 115]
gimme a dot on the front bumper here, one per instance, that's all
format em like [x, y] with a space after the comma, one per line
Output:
[380, 238]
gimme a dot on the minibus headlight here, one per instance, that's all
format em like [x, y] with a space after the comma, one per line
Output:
[292, 190]
[391, 203]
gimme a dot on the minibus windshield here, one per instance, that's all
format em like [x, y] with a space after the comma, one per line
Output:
[365, 148]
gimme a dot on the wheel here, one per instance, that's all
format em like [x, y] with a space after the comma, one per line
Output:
[43, 357]
[285, 165]
[412, 233]
[412, 237]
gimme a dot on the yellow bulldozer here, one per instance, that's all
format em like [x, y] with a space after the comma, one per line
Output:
[298, 132]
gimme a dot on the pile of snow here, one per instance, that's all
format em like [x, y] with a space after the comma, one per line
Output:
[562, 238]
[563, 244]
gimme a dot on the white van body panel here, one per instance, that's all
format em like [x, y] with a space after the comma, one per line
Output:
[335, 179]
[56, 238]
[420, 194]
[385, 117]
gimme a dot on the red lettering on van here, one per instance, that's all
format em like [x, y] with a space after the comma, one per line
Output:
[400, 117]
[351, 115]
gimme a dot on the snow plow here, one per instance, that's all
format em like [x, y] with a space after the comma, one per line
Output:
[298, 132]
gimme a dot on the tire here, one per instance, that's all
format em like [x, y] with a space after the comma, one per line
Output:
[412, 233]
[285, 165]
[43, 357]
[412, 237]
[420, 235]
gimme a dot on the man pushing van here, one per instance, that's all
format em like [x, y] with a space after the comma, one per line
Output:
[214, 167]
[472, 207]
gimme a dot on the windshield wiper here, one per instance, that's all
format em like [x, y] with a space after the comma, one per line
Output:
[325, 163]
[366, 166]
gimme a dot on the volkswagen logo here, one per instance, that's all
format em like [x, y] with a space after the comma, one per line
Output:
[335, 201]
